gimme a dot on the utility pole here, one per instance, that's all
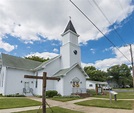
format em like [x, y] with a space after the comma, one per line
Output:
[131, 52]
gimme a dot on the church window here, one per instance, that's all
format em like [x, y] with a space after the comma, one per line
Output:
[1, 79]
[75, 52]
[90, 85]
[36, 82]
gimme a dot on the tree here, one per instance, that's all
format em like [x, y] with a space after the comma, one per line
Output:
[120, 74]
[37, 58]
[95, 74]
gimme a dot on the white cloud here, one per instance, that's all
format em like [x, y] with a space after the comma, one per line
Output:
[107, 49]
[92, 50]
[43, 54]
[6, 46]
[55, 50]
[26, 19]
[118, 59]
[54, 44]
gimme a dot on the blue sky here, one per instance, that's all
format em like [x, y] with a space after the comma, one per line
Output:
[35, 28]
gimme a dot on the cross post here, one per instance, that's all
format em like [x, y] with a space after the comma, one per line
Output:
[44, 78]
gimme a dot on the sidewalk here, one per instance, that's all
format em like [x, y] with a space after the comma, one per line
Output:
[69, 105]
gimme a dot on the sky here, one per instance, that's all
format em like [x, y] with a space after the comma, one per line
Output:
[34, 27]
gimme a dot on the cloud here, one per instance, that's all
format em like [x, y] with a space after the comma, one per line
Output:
[107, 49]
[6, 46]
[26, 19]
[55, 50]
[118, 59]
[43, 54]
[54, 44]
[92, 50]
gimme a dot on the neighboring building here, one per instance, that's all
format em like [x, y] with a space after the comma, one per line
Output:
[66, 66]
[92, 84]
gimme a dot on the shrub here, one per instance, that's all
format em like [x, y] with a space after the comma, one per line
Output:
[15, 95]
[56, 96]
[51, 93]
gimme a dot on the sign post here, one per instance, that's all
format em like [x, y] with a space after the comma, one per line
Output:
[112, 93]
[44, 78]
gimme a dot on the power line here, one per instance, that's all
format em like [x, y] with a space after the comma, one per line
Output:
[98, 29]
[109, 21]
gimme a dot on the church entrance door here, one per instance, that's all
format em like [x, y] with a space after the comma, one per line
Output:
[27, 87]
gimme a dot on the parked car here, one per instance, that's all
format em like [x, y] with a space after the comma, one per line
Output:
[127, 86]
[124, 86]
[107, 88]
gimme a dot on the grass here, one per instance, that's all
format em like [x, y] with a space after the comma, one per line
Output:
[123, 88]
[16, 102]
[120, 95]
[64, 99]
[55, 110]
[120, 104]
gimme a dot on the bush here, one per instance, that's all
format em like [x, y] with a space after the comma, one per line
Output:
[15, 95]
[51, 93]
[57, 96]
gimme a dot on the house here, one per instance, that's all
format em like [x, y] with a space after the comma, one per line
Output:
[92, 84]
[66, 66]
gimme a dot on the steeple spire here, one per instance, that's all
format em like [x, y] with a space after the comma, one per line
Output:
[70, 27]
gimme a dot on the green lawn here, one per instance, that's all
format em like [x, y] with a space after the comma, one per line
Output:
[55, 110]
[120, 104]
[64, 99]
[16, 102]
[120, 95]
[123, 89]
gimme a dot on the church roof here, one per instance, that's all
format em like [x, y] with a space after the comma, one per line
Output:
[19, 63]
[47, 62]
[63, 72]
[70, 27]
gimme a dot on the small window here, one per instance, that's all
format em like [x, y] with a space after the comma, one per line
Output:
[1, 79]
[36, 82]
[90, 85]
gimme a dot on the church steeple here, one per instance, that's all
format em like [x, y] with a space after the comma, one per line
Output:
[70, 50]
[70, 27]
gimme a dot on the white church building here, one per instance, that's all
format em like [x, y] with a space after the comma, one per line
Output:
[66, 66]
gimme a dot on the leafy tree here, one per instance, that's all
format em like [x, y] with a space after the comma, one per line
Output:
[95, 74]
[37, 58]
[120, 74]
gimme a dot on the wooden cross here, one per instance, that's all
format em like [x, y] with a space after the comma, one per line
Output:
[44, 78]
